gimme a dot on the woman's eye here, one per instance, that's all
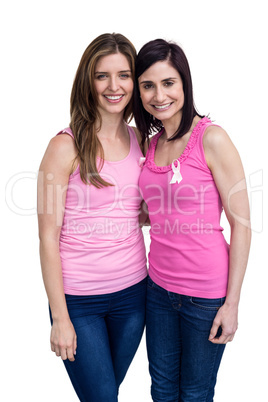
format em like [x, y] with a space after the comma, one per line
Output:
[124, 76]
[169, 83]
[147, 86]
[101, 76]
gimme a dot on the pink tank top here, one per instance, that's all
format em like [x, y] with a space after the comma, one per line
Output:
[188, 252]
[101, 245]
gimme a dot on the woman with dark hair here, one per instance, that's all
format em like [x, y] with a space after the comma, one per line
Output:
[192, 170]
[91, 246]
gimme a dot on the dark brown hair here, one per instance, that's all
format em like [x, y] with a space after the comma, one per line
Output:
[84, 104]
[151, 53]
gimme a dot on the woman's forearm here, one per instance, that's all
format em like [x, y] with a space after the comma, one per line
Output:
[238, 258]
[52, 277]
[227, 316]
[63, 338]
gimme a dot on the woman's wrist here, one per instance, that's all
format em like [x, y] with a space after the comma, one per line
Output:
[60, 315]
[232, 300]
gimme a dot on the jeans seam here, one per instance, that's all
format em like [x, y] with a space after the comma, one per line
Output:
[211, 370]
[73, 379]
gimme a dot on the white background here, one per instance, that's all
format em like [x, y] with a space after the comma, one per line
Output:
[42, 43]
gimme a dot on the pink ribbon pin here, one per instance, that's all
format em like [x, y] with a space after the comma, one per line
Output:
[141, 161]
[177, 177]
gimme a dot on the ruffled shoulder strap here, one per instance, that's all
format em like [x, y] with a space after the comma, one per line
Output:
[198, 129]
[151, 150]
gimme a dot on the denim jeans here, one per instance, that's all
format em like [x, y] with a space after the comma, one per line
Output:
[109, 329]
[183, 364]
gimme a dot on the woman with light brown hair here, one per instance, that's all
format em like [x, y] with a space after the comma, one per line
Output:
[91, 246]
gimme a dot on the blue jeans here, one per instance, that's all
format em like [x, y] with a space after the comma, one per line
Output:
[109, 329]
[183, 364]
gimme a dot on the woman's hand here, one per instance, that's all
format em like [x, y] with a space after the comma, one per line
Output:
[227, 319]
[63, 339]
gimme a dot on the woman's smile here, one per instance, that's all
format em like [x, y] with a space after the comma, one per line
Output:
[113, 98]
[163, 107]
[161, 91]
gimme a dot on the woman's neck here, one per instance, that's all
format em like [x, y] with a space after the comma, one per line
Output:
[112, 126]
[171, 125]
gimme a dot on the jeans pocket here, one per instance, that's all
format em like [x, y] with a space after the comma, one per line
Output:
[207, 304]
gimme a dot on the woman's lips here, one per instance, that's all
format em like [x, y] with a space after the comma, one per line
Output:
[114, 98]
[162, 107]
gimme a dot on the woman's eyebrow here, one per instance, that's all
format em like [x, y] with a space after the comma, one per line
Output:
[146, 82]
[106, 72]
[166, 79]
[170, 78]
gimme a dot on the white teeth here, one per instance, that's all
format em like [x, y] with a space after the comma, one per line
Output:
[162, 106]
[113, 97]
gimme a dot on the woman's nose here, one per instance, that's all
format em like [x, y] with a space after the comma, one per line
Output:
[160, 95]
[113, 84]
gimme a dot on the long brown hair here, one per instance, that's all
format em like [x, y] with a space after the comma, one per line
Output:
[84, 104]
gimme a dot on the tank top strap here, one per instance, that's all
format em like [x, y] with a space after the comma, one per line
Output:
[207, 123]
[199, 152]
[66, 130]
[133, 137]
[134, 143]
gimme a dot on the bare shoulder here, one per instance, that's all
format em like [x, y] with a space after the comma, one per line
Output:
[139, 139]
[63, 143]
[215, 137]
[218, 146]
[61, 152]
[138, 134]
[147, 142]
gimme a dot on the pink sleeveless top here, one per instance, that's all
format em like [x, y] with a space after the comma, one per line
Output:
[188, 252]
[101, 245]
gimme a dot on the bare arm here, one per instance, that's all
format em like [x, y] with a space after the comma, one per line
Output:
[226, 167]
[53, 180]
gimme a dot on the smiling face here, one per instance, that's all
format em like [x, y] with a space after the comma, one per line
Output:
[161, 90]
[113, 83]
